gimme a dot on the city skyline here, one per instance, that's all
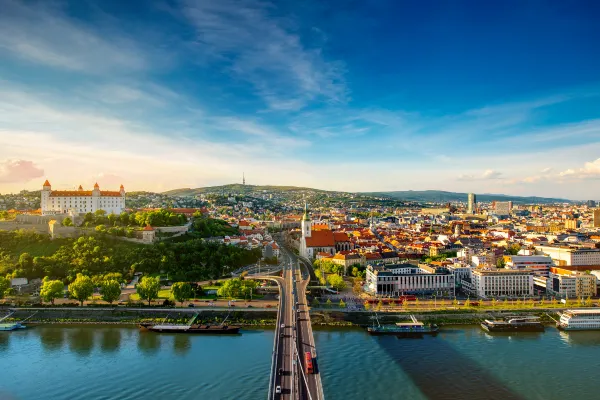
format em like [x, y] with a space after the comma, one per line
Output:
[363, 97]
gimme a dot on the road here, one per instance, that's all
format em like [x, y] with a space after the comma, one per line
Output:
[293, 337]
[310, 385]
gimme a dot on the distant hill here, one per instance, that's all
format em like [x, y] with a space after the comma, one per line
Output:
[236, 188]
[441, 196]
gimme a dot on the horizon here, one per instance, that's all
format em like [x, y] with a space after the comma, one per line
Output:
[365, 97]
[375, 192]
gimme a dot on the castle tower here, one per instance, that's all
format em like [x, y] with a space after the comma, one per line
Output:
[122, 190]
[306, 222]
[46, 190]
[96, 197]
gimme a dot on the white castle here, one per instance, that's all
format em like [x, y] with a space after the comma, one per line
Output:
[81, 201]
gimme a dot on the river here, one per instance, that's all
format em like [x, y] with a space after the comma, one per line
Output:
[463, 362]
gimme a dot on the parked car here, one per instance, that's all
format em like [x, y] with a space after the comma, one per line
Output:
[191, 305]
[278, 390]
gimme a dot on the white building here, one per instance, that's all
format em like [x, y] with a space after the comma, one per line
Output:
[401, 279]
[501, 283]
[81, 201]
[570, 284]
[571, 256]
[540, 265]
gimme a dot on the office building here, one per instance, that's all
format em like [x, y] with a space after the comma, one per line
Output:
[403, 279]
[471, 203]
[570, 284]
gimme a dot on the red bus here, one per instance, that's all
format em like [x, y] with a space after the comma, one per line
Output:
[309, 363]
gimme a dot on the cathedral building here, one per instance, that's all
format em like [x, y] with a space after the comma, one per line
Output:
[81, 201]
[319, 238]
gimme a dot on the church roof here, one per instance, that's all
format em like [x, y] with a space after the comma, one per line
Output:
[341, 237]
[46, 183]
[96, 185]
[322, 238]
[148, 228]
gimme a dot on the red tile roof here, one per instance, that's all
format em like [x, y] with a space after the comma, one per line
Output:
[322, 238]
[46, 183]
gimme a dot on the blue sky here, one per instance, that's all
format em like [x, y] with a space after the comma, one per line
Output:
[490, 97]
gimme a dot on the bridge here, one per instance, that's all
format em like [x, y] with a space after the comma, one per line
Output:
[292, 376]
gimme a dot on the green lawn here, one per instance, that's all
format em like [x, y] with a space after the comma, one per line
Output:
[162, 294]
[46, 248]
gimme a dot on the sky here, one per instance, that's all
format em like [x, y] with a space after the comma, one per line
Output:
[369, 95]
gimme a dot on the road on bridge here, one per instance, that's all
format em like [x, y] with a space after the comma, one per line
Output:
[290, 378]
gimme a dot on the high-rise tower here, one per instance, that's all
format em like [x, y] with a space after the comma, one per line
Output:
[471, 203]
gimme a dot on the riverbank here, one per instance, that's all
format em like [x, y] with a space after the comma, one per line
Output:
[259, 317]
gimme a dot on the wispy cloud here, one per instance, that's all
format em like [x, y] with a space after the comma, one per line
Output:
[263, 49]
[43, 33]
[488, 174]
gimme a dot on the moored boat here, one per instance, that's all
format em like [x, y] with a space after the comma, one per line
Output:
[579, 320]
[12, 326]
[514, 324]
[414, 328]
[192, 327]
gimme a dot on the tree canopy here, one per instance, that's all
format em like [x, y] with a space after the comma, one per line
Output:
[51, 290]
[148, 288]
[110, 290]
[182, 291]
[81, 288]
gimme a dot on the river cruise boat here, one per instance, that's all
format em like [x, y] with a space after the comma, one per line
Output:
[192, 327]
[514, 324]
[414, 328]
[579, 320]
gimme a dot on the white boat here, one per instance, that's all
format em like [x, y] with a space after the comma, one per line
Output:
[12, 326]
[579, 320]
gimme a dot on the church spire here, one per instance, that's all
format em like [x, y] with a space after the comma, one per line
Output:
[305, 217]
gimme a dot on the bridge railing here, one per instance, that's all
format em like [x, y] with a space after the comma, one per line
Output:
[271, 394]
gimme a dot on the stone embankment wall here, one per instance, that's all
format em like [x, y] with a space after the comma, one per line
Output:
[132, 315]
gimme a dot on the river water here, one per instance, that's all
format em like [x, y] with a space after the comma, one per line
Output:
[116, 362]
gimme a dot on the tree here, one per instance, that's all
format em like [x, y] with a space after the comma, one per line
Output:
[148, 288]
[110, 290]
[328, 303]
[357, 288]
[112, 219]
[25, 261]
[4, 285]
[67, 222]
[379, 305]
[51, 290]
[367, 305]
[514, 249]
[100, 213]
[182, 291]
[81, 288]
[336, 281]
[342, 304]
[501, 263]
[315, 302]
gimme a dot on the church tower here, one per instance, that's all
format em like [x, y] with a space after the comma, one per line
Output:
[244, 178]
[306, 223]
